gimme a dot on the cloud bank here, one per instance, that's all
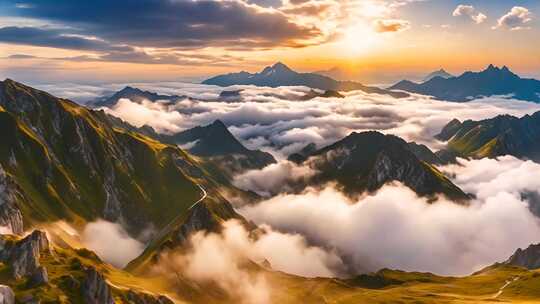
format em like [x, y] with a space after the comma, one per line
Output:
[227, 259]
[396, 229]
[111, 242]
[275, 120]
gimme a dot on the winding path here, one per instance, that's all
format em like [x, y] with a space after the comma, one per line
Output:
[508, 282]
[205, 195]
[165, 229]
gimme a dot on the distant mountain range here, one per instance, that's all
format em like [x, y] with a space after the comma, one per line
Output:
[472, 85]
[281, 75]
[502, 135]
[368, 160]
[440, 73]
[133, 94]
[217, 144]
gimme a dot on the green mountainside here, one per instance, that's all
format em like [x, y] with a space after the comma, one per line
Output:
[502, 135]
[62, 161]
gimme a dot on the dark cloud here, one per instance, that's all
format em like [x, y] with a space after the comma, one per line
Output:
[163, 23]
[55, 38]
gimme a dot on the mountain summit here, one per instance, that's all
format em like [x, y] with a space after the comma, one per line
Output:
[218, 144]
[369, 160]
[279, 75]
[440, 73]
[471, 85]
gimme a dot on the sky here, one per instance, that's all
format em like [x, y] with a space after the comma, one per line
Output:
[44, 41]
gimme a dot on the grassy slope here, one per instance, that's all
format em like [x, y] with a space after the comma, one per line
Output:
[415, 288]
[59, 181]
[65, 268]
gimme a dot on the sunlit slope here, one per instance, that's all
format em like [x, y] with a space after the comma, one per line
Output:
[502, 135]
[73, 275]
[390, 286]
[64, 161]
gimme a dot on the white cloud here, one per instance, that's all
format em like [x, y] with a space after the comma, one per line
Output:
[224, 259]
[111, 242]
[273, 119]
[396, 229]
[517, 18]
[274, 178]
[470, 12]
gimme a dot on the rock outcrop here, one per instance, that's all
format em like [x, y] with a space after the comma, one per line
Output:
[95, 289]
[6, 295]
[23, 256]
[528, 258]
[366, 161]
[10, 215]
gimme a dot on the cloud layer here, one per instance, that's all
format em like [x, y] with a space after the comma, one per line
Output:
[111, 242]
[276, 120]
[227, 259]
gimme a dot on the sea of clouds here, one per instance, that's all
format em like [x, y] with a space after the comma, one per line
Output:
[275, 120]
[325, 233]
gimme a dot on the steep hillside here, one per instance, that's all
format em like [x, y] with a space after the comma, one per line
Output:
[502, 135]
[217, 144]
[368, 160]
[59, 160]
[39, 271]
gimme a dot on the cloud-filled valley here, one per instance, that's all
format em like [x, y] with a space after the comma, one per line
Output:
[422, 237]
[275, 120]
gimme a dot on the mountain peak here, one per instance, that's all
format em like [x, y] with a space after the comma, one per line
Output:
[218, 124]
[278, 67]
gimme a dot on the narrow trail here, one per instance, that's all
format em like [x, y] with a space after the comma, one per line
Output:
[508, 282]
[205, 195]
[168, 226]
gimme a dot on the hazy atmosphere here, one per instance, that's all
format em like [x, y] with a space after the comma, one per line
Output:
[269, 151]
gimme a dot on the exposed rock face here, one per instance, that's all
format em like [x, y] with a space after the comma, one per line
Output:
[498, 136]
[423, 153]
[366, 161]
[133, 297]
[39, 277]
[6, 295]
[10, 215]
[528, 258]
[68, 162]
[23, 256]
[200, 219]
[449, 130]
[95, 289]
